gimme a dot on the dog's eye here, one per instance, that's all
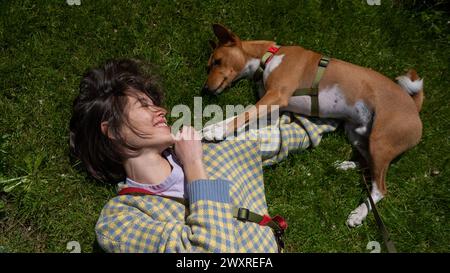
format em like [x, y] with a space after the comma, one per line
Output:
[217, 62]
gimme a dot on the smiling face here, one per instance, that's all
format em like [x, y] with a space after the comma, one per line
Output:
[146, 125]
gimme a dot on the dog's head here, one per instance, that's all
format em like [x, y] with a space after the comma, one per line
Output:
[226, 61]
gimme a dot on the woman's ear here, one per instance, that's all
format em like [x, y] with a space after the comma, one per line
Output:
[104, 126]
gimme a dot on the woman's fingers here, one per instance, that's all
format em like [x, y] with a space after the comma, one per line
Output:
[188, 149]
[197, 135]
[188, 133]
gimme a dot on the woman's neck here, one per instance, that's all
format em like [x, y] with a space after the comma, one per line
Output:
[150, 167]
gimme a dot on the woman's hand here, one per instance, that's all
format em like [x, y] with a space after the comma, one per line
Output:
[188, 148]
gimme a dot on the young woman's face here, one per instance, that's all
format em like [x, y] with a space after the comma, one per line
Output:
[147, 126]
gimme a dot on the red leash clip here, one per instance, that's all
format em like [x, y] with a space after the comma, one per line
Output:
[277, 219]
[280, 221]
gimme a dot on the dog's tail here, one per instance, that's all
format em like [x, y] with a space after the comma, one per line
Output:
[413, 84]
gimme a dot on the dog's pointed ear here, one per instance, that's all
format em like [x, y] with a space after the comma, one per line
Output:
[212, 44]
[225, 36]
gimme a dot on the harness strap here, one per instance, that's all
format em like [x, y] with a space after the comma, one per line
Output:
[313, 91]
[139, 192]
[277, 223]
[264, 60]
[268, 55]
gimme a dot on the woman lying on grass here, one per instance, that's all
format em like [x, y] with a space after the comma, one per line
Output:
[176, 195]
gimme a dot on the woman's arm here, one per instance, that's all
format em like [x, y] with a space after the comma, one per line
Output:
[290, 133]
[208, 227]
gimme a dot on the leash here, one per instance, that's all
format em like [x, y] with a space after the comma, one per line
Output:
[381, 227]
[277, 223]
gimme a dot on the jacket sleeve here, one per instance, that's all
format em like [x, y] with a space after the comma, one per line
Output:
[290, 133]
[207, 228]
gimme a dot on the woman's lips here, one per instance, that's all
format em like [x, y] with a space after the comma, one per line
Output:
[161, 123]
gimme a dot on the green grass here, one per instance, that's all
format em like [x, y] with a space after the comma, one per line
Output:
[45, 46]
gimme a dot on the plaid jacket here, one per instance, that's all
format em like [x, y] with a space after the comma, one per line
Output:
[204, 222]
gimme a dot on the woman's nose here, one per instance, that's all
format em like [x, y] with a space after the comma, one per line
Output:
[161, 111]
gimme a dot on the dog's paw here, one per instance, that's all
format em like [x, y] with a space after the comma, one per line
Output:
[346, 165]
[357, 216]
[215, 132]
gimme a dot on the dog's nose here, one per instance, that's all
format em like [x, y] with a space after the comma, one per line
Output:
[205, 90]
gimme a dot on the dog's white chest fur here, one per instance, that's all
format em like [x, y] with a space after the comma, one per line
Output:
[274, 63]
[250, 67]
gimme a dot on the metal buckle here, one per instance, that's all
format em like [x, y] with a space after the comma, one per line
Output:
[243, 214]
[323, 62]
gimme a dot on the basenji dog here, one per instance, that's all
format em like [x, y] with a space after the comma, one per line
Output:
[381, 117]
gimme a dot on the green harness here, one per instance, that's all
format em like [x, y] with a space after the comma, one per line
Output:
[312, 91]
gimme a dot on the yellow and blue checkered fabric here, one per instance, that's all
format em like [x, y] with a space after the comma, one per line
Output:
[153, 223]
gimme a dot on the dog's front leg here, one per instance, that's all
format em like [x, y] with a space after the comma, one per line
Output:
[271, 101]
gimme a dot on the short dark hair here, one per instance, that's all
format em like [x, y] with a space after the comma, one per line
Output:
[103, 97]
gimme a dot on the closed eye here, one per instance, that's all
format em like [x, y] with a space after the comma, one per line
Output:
[146, 102]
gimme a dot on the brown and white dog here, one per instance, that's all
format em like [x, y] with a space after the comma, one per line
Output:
[381, 118]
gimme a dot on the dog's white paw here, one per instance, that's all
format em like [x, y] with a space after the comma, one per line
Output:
[357, 216]
[217, 131]
[214, 132]
[346, 165]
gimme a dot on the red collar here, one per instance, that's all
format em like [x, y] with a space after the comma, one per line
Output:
[269, 55]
